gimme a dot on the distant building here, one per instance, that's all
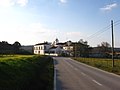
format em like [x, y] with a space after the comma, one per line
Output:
[61, 49]
[97, 52]
[69, 48]
[42, 48]
[48, 49]
[58, 50]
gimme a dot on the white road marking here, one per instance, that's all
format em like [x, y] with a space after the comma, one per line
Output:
[83, 73]
[95, 68]
[76, 69]
[71, 66]
[97, 82]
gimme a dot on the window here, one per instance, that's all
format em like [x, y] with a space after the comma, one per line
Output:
[36, 48]
[45, 47]
[41, 48]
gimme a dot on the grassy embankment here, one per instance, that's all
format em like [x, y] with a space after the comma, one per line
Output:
[104, 64]
[26, 72]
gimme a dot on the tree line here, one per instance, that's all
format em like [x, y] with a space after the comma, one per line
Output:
[6, 48]
[82, 49]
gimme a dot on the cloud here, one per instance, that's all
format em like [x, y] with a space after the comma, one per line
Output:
[37, 32]
[34, 33]
[22, 2]
[8, 3]
[63, 1]
[109, 7]
[48, 34]
[73, 35]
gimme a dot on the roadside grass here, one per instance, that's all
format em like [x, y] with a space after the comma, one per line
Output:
[24, 72]
[104, 64]
[14, 57]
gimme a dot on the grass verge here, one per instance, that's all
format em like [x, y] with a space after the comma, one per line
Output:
[26, 73]
[104, 64]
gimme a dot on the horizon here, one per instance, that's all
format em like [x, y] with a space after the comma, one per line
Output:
[52, 42]
[35, 21]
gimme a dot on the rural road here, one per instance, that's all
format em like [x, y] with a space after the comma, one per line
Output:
[72, 75]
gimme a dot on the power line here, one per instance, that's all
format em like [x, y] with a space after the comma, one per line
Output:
[103, 30]
[116, 21]
[99, 32]
[116, 24]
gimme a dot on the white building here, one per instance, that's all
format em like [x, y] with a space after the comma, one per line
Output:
[48, 49]
[56, 50]
[42, 48]
[68, 48]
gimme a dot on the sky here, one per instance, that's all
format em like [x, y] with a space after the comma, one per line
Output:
[35, 21]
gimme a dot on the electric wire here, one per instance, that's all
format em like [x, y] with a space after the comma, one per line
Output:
[99, 32]
[103, 30]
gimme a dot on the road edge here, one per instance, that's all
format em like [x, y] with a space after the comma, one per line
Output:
[54, 75]
[96, 68]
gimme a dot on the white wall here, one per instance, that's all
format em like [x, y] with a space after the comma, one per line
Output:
[40, 49]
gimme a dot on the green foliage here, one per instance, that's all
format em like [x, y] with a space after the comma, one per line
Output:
[26, 73]
[7, 49]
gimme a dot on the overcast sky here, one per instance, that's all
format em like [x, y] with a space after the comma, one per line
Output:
[35, 21]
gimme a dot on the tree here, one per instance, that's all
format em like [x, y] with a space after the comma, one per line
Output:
[16, 46]
[5, 48]
[81, 48]
[104, 48]
[81, 41]
[105, 44]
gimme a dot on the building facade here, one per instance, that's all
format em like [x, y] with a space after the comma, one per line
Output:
[42, 48]
[49, 49]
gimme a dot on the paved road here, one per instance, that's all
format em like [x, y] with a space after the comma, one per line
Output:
[72, 75]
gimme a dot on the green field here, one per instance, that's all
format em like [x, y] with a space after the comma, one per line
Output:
[104, 64]
[13, 57]
[26, 72]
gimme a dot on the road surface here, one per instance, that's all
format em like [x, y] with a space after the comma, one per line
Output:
[73, 75]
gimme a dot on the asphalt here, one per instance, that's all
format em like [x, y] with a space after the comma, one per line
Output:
[72, 75]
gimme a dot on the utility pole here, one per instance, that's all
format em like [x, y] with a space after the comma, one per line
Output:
[112, 44]
[75, 49]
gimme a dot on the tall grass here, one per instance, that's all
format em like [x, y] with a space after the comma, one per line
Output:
[26, 73]
[104, 64]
